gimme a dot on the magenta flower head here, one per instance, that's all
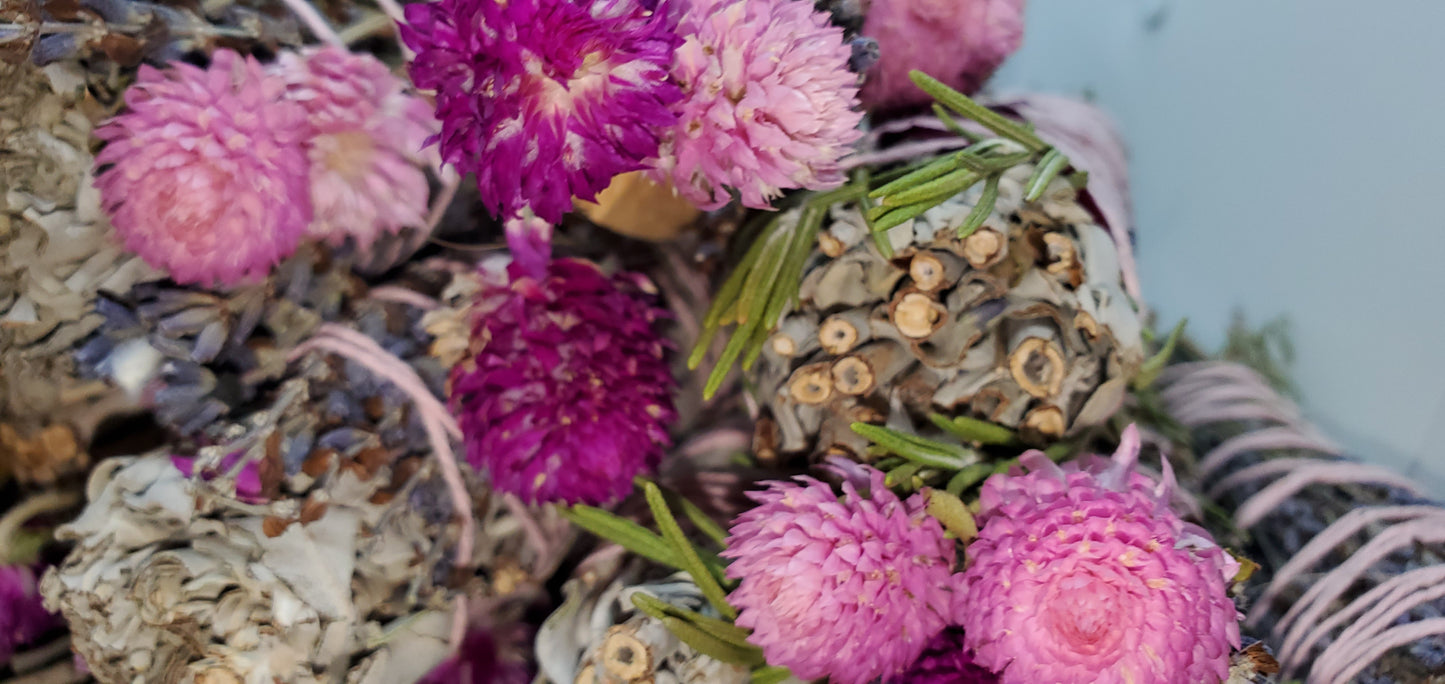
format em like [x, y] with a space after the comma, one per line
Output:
[959, 42]
[769, 103]
[479, 661]
[566, 392]
[205, 173]
[849, 589]
[1082, 574]
[544, 99]
[367, 176]
[946, 661]
[22, 617]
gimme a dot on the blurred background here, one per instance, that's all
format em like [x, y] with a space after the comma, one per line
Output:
[1285, 160]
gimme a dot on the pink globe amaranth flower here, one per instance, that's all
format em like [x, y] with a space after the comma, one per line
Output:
[566, 392]
[769, 103]
[959, 42]
[205, 173]
[544, 99]
[946, 661]
[23, 618]
[367, 176]
[850, 590]
[1081, 574]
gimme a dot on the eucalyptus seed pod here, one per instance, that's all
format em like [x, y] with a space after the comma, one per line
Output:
[622, 645]
[56, 254]
[1022, 322]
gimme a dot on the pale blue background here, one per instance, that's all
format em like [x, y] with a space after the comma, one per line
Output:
[1287, 156]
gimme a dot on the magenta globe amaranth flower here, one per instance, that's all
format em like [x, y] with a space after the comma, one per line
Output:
[565, 394]
[367, 176]
[959, 42]
[850, 590]
[205, 175]
[23, 618]
[946, 661]
[769, 103]
[1081, 574]
[544, 99]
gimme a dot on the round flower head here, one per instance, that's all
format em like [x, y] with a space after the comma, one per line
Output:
[544, 99]
[768, 104]
[368, 132]
[565, 393]
[959, 42]
[205, 173]
[22, 617]
[1082, 574]
[850, 590]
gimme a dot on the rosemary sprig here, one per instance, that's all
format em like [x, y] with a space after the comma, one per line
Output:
[764, 285]
[922, 451]
[1151, 368]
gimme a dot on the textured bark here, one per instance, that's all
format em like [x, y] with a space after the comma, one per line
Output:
[1023, 322]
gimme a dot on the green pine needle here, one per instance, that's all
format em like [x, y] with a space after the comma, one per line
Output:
[975, 430]
[1154, 365]
[624, 533]
[982, 210]
[925, 452]
[686, 553]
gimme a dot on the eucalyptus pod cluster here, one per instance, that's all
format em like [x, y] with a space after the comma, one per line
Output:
[1022, 322]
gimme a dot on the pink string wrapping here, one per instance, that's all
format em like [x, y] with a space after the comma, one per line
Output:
[1215, 392]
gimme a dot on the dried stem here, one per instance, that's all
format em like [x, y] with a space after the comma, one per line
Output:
[319, 26]
[39, 504]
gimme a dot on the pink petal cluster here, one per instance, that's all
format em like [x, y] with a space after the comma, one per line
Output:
[544, 99]
[367, 176]
[959, 42]
[769, 103]
[1081, 574]
[566, 392]
[22, 617]
[205, 174]
[850, 589]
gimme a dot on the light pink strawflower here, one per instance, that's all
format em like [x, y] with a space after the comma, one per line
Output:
[367, 177]
[851, 590]
[205, 175]
[959, 42]
[1081, 574]
[768, 102]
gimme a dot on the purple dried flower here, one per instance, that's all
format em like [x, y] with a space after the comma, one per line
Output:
[23, 618]
[946, 661]
[544, 99]
[565, 395]
[769, 102]
[368, 132]
[205, 173]
[478, 661]
[248, 480]
[852, 590]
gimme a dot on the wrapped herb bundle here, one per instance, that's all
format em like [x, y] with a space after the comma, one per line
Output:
[1351, 553]
[359, 452]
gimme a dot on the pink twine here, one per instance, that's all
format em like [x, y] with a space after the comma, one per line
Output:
[1318, 598]
[402, 295]
[1256, 507]
[1349, 646]
[1265, 439]
[1384, 595]
[314, 21]
[436, 422]
[1318, 547]
[1372, 649]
